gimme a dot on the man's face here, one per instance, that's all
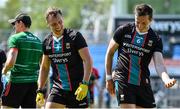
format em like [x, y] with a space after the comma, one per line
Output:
[142, 23]
[17, 26]
[56, 24]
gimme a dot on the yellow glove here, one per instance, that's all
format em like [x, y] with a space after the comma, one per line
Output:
[81, 92]
[40, 101]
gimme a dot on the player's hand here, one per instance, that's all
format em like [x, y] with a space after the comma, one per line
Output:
[81, 92]
[40, 101]
[169, 83]
[4, 80]
[110, 87]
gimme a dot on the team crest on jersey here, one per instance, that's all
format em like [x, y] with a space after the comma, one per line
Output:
[48, 47]
[68, 46]
[127, 36]
[121, 97]
[150, 43]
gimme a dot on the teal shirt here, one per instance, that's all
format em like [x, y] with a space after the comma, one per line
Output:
[28, 59]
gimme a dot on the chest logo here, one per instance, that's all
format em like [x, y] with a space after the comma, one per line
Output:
[68, 46]
[48, 47]
[127, 36]
[150, 43]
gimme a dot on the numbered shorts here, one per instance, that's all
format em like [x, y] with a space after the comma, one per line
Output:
[133, 94]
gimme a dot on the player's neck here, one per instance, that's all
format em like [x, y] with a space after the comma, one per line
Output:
[145, 31]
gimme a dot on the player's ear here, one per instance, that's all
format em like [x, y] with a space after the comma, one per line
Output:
[47, 23]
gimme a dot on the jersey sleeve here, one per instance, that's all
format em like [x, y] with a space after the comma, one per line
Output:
[44, 47]
[12, 42]
[159, 45]
[118, 34]
[80, 42]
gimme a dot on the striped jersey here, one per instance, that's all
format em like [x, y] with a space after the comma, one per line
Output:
[67, 65]
[134, 54]
[26, 67]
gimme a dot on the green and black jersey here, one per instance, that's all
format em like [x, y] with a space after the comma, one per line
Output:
[28, 59]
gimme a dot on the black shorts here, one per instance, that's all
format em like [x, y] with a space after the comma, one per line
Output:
[20, 94]
[66, 98]
[133, 94]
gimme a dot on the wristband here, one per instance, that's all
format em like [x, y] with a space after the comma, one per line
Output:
[108, 77]
[40, 91]
[85, 82]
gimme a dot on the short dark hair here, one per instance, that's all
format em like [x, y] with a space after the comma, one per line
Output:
[53, 11]
[25, 18]
[143, 10]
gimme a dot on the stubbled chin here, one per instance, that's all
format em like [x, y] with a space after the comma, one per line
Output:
[141, 30]
[57, 32]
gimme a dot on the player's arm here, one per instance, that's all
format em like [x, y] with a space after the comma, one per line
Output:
[43, 75]
[87, 61]
[161, 70]
[44, 70]
[82, 90]
[11, 60]
[113, 46]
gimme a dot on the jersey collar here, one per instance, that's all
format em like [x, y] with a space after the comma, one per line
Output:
[57, 39]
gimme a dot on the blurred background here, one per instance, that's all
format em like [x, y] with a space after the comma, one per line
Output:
[97, 20]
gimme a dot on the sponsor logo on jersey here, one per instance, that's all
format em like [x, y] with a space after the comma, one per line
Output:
[82, 104]
[31, 38]
[127, 36]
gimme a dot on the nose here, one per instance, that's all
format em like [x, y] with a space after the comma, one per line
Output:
[139, 26]
[59, 25]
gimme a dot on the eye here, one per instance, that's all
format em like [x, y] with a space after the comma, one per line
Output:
[60, 22]
[143, 23]
[54, 24]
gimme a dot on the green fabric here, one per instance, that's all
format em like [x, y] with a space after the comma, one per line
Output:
[29, 48]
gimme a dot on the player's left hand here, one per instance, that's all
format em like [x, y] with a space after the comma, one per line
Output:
[40, 101]
[4, 80]
[81, 92]
[169, 83]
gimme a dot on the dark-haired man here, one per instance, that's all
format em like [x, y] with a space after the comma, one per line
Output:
[24, 55]
[67, 52]
[136, 43]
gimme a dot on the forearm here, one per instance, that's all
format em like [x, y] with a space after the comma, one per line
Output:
[11, 59]
[160, 67]
[113, 46]
[162, 72]
[6, 68]
[43, 75]
[108, 64]
[87, 69]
